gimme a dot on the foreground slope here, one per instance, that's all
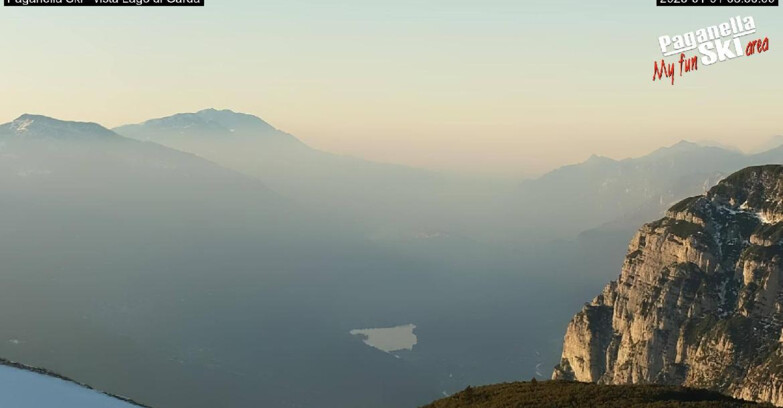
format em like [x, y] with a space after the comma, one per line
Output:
[557, 394]
[26, 387]
[699, 301]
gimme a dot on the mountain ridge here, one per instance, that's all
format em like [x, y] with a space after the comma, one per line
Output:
[555, 394]
[36, 125]
[343, 187]
[206, 124]
[602, 191]
[596, 194]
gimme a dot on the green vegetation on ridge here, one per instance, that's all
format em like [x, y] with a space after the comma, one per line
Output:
[563, 394]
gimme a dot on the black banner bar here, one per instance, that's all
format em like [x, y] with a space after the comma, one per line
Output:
[717, 3]
[103, 3]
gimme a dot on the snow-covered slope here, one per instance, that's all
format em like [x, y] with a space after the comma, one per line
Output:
[20, 388]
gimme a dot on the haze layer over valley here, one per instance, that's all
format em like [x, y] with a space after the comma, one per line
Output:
[208, 259]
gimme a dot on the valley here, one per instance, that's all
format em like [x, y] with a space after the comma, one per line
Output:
[186, 271]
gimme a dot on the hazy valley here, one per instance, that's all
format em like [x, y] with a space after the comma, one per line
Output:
[209, 259]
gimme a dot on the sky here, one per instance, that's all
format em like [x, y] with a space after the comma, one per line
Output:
[502, 88]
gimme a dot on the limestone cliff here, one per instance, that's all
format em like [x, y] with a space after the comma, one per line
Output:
[699, 301]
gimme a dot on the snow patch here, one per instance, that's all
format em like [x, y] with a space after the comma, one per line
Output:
[27, 389]
[745, 209]
[22, 125]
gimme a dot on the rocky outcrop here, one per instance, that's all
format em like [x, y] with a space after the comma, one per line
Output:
[699, 301]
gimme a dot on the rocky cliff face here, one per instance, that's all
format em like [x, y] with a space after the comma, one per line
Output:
[699, 301]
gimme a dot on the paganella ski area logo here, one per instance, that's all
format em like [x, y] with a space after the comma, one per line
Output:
[717, 43]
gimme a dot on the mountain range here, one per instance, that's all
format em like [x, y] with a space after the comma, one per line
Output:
[344, 187]
[610, 194]
[44, 155]
[62, 177]
[599, 193]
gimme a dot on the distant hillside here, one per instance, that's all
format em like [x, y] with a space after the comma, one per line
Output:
[561, 394]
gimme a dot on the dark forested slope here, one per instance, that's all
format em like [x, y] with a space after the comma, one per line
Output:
[562, 394]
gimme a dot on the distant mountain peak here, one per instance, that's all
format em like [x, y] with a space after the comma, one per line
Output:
[213, 110]
[25, 120]
[207, 124]
[773, 142]
[685, 144]
[32, 125]
[25, 116]
[681, 146]
[22, 123]
[210, 119]
[595, 158]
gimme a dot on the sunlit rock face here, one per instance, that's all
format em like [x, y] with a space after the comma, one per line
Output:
[699, 301]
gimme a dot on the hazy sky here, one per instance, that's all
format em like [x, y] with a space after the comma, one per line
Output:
[500, 87]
